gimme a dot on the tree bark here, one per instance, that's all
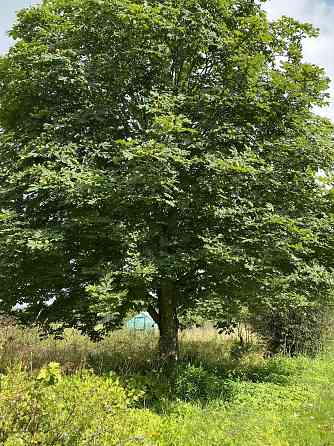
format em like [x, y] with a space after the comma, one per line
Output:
[169, 327]
[154, 314]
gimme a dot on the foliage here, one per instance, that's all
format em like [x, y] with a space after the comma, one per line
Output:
[239, 349]
[197, 383]
[76, 410]
[294, 329]
[123, 351]
[157, 154]
[279, 402]
[50, 374]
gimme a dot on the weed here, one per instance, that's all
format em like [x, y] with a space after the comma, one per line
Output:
[67, 393]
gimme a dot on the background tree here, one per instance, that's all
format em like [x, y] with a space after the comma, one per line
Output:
[160, 155]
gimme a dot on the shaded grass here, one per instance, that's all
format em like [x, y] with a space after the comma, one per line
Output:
[296, 410]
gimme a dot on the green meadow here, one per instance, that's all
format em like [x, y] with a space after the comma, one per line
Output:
[73, 392]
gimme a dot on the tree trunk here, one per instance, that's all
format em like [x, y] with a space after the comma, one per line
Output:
[154, 314]
[168, 326]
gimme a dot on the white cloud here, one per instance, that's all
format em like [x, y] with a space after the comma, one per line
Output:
[318, 51]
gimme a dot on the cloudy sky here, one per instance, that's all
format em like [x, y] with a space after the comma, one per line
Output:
[319, 12]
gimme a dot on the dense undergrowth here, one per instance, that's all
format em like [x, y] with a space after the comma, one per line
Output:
[73, 392]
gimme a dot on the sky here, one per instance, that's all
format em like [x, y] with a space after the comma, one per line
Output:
[319, 12]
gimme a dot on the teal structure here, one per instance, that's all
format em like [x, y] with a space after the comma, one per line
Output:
[142, 321]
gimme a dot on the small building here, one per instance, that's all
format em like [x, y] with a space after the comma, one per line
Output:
[142, 321]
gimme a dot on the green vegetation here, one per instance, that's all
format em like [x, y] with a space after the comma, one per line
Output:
[216, 400]
[162, 155]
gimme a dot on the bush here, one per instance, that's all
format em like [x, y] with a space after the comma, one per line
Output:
[293, 330]
[51, 409]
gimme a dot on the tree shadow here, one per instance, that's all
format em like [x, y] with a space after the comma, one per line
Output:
[203, 382]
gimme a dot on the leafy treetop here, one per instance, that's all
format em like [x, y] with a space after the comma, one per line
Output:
[160, 154]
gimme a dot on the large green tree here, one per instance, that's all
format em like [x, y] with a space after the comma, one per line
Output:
[160, 155]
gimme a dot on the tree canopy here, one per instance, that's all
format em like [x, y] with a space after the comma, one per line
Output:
[160, 155]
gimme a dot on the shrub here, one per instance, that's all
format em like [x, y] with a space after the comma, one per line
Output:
[293, 330]
[50, 409]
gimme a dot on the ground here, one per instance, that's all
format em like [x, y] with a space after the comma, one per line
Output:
[112, 393]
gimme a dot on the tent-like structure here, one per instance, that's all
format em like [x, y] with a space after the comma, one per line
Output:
[142, 321]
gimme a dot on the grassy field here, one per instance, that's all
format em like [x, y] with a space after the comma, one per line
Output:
[112, 393]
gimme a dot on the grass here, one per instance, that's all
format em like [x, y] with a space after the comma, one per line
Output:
[217, 399]
[124, 351]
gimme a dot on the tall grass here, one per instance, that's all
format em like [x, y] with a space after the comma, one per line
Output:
[123, 351]
[219, 398]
